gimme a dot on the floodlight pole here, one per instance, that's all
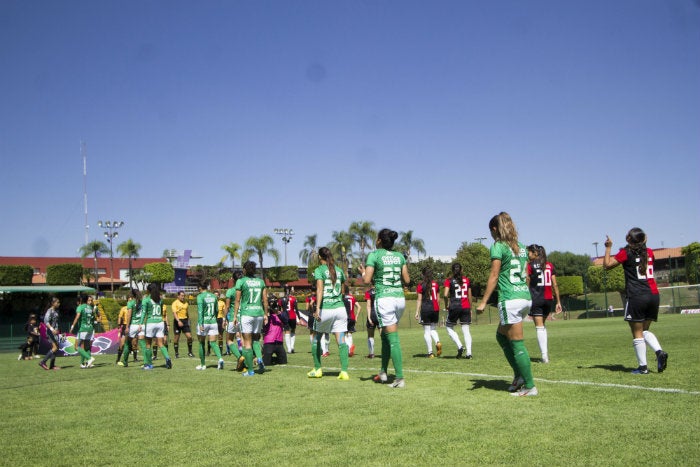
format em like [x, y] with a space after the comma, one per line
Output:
[286, 235]
[110, 234]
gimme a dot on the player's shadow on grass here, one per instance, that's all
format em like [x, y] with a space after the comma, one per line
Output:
[493, 384]
[621, 368]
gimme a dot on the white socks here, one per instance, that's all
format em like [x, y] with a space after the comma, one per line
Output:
[640, 349]
[455, 338]
[652, 341]
[370, 345]
[428, 339]
[467, 338]
[542, 341]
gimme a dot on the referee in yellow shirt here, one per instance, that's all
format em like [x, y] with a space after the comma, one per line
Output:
[181, 324]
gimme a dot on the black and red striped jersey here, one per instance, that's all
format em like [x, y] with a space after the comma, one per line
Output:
[635, 282]
[540, 281]
[432, 296]
[459, 292]
[350, 302]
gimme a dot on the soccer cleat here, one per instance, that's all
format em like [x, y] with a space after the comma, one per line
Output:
[460, 352]
[380, 378]
[90, 362]
[190, 354]
[439, 348]
[325, 354]
[524, 392]
[241, 363]
[168, 363]
[545, 359]
[83, 366]
[370, 355]
[516, 384]
[43, 365]
[291, 351]
[220, 366]
[399, 383]
[317, 373]
[20, 357]
[468, 357]
[249, 373]
[201, 367]
[642, 370]
[125, 364]
[352, 350]
[177, 355]
[261, 366]
[120, 363]
[147, 367]
[430, 355]
[661, 360]
[343, 376]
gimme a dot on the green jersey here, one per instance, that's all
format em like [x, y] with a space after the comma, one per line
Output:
[153, 312]
[332, 293]
[511, 280]
[387, 272]
[251, 296]
[87, 318]
[207, 308]
[137, 315]
[131, 306]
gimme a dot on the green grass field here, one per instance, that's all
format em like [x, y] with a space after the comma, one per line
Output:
[590, 411]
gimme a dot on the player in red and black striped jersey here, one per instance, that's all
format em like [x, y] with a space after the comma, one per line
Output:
[642, 303]
[458, 295]
[352, 308]
[542, 282]
[428, 311]
[288, 303]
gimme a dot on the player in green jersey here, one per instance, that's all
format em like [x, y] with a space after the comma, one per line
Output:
[251, 308]
[152, 307]
[85, 315]
[386, 269]
[508, 274]
[207, 310]
[233, 332]
[330, 315]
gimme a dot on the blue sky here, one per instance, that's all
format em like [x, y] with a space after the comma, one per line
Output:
[208, 122]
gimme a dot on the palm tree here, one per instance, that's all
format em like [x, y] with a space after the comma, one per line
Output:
[363, 234]
[129, 249]
[94, 248]
[310, 253]
[232, 251]
[407, 242]
[260, 245]
[342, 246]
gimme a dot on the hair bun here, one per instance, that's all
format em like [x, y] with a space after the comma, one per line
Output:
[393, 235]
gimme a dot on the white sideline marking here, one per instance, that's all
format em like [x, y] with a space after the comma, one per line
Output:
[508, 378]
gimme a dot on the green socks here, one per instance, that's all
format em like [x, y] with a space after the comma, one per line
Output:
[202, 354]
[522, 360]
[395, 350]
[215, 347]
[316, 351]
[508, 352]
[257, 349]
[344, 352]
[248, 354]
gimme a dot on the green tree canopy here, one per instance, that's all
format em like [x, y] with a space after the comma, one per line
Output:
[441, 270]
[569, 264]
[94, 249]
[64, 274]
[283, 274]
[692, 262]
[159, 273]
[16, 274]
[363, 234]
[129, 249]
[407, 242]
[570, 285]
[260, 246]
[309, 254]
[614, 279]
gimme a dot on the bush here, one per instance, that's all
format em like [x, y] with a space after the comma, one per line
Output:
[64, 274]
[16, 275]
[111, 309]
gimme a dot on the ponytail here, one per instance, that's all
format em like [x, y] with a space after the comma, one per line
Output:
[327, 256]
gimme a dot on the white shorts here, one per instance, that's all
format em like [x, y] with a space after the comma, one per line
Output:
[251, 324]
[86, 336]
[208, 329]
[155, 330]
[233, 329]
[332, 320]
[134, 331]
[513, 311]
[390, 310]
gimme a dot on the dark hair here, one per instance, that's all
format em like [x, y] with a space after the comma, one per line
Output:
[457, 270]
[637, 245]
[541, 254]
[236, 275]
[136, 294]
[249, 268]
[427, 282]
[325, 254]
[387, 237]
[346, 288]
[204, 284]
[82, 299]
[154, 290]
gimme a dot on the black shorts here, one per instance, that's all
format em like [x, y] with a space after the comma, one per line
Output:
[52, 337]
[184, 328]
[165, 328]
[351, 325]
[639, 308]
[429, 316]
[541, 308]
[291, 325]
[463, 315]
[311, 322]
[123, 330]
[375, 320]
[220, 325]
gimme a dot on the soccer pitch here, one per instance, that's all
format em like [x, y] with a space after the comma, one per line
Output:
[590, 411]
